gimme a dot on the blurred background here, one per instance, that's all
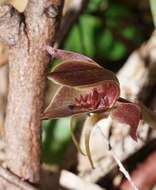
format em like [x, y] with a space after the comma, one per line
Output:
[119, 35]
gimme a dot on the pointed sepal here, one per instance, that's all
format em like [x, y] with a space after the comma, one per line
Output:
[65, 55]
[128, 113]
[80, 74]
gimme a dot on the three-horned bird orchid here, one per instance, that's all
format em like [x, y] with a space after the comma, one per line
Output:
[86, 87]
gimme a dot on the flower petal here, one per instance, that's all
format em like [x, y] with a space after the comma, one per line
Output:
[128, 113]
[72, 125]
[70, 101]
[89, 126]
[80, 73]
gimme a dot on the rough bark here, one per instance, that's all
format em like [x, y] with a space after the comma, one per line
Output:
[28, 61]
[9, 25]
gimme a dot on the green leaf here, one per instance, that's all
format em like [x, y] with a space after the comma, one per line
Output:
[81, 37]
[117, 51]
[94, 4]
[129, 32]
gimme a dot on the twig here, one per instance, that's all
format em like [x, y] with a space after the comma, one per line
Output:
[121, 167]
[10, 177]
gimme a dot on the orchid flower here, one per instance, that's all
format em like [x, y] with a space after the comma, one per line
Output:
[86, 87]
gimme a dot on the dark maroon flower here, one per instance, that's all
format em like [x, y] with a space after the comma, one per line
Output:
[86, 87]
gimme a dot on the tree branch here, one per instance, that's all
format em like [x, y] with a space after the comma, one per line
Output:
[28, 61]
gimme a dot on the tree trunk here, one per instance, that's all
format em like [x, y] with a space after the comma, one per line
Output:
[27, 73]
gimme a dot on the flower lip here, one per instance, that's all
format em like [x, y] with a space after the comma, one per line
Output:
[70, 101]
